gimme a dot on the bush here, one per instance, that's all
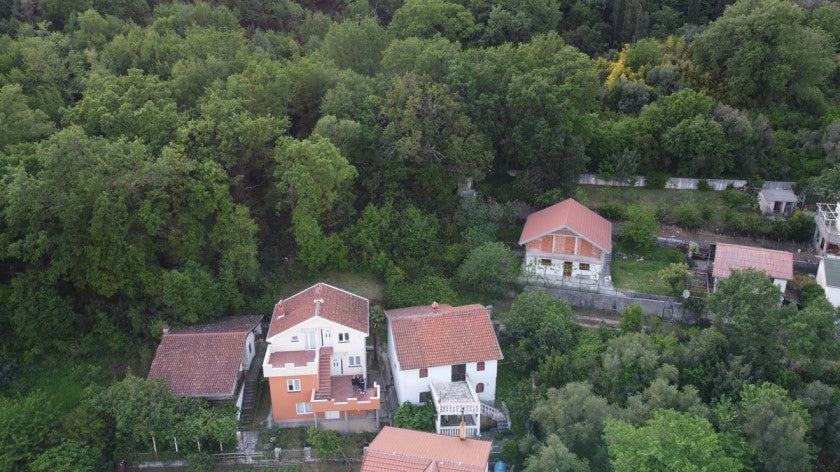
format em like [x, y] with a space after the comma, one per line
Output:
[613, 211]
[801, 226]
[656, 180]
[631, 319]
[676, 275]
[809, 293]
[490, 268]
[689, 216]
[738, 199]
[420, 418]
[324, 442]
[641, 228]
[703, 185]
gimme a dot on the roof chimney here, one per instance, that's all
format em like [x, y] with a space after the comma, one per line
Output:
[435, 306]
[165, 328]
[278, 308]
[318, 303]
[462, 428]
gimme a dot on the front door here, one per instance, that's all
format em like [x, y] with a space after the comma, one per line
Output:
[337, 366]
[567, 269]
[326, 337]
[310, 340]
[459, 372]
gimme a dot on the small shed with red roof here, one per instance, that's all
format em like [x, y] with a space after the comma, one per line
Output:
[207, 360]
[778, 265]
[567, 240]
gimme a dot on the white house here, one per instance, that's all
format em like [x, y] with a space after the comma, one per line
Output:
[447, 355]
[316, 348]
[828, 277]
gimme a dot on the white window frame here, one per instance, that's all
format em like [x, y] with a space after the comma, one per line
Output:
[305, 406]
[295, 339]
[344, 337]
[293, 385]
[350, 360]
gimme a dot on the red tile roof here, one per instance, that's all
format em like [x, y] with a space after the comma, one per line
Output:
[433, 335]
[336, 305]
[729, 257]
[298, 358]
[200, 365]
[572, 215]
[405, 450]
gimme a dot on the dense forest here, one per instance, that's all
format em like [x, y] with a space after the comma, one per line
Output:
[171, 162]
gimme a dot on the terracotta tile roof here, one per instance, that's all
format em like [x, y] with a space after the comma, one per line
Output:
[433, 335]
[729, 257]
[200, 364]
[569, 214]
[298, 358]
[228, 324]
[404, 450]
[338, 305]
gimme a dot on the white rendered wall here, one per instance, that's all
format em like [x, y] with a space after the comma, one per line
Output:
[354, 347]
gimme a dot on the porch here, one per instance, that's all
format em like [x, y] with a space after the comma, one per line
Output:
[453, 401]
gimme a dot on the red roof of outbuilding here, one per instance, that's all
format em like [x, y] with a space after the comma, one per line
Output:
[729, 257]
[572, 215]
[405, 450]
[322, 300]
[203, 360]
[433, 335]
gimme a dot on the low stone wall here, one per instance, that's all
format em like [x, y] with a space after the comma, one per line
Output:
[681, 183]
[666, 308]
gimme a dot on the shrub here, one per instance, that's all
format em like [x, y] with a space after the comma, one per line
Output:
[640, 230]
[689, 216]
[703, 185]
[420, 418]
[809, 293]
[324, 442]
[676, 274]
[631, 319]
[801, 226]
[656, 180]
[491, 268]
[613, 211]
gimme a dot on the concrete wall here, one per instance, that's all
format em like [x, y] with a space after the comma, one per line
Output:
[832, 293]
[680, 183]
[664, 307]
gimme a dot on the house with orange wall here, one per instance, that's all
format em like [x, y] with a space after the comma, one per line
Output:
[316, 348]
[567, 240]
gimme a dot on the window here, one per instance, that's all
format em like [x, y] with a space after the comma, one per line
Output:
[425, 397]
[303, 407]
[545, 261]
[343, 337]
[293, 385]
[354, 361]
[294, 339]
[424, 373]
[479, 387]
[479, 366]
[583, 266]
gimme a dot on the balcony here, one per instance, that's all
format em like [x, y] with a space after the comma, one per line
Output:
[455, 398]
[344, 396]
[827, 214]
[284, 363]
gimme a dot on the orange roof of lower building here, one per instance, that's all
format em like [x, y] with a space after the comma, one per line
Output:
[405, 450]
[572, 215]
[433, 335]
[729, 257]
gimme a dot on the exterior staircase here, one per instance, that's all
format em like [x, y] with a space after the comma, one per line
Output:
[500, 415]
[324, 391]
[250, 386]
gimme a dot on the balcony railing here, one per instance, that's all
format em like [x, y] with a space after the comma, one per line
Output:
[472, 431]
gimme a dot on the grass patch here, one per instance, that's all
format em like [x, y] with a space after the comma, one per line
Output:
[638, 270]
[63, 380]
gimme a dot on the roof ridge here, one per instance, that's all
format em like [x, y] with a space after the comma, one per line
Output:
[430, 460]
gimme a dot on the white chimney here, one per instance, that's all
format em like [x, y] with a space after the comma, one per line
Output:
[165, 328]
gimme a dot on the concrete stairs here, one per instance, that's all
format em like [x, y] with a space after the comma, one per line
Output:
[500, 415]
[324, 391]
[250, 386]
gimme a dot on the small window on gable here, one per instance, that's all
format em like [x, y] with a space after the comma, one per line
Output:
[545, 262]
[294, 339]
[424, 373]
[583, 266]
[343, 337]
[479, 366]
[479, 387]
